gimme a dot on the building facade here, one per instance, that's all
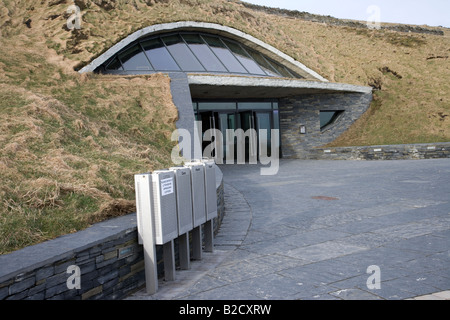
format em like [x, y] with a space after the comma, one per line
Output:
[227, 81]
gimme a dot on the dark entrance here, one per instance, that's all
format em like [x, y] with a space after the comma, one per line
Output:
[250, 116]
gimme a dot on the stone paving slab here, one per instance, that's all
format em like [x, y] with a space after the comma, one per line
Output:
[284, 239]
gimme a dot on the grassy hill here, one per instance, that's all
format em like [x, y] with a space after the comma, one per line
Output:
[70, 143]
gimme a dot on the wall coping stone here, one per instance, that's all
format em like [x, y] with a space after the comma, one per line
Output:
[410, 151]
[63, 247]
[392, 145]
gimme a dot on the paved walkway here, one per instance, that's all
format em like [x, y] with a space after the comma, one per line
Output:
[313, 230]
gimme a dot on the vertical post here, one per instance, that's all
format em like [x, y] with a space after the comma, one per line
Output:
[183, 244]
[208, 229]
[197, 243]
[151, 273]
[169, 261]
[143, 206]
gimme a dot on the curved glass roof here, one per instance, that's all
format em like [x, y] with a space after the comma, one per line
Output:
[193, 52]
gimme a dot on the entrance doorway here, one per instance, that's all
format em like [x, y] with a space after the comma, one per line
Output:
[227, 117]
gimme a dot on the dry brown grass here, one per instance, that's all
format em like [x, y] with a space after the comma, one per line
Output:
[70, 144]
[74, 151]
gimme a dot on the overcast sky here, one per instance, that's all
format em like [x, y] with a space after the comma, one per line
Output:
[430, 12]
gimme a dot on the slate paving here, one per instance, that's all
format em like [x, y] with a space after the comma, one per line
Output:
[312, 230]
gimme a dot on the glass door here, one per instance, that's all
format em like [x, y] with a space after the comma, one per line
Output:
[209, 120]
[263, 121]
[227, 121]
[249, 116]
[247, 119]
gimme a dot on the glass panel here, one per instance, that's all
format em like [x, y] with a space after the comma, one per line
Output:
[295, 74]
[159, 56]
[267, 67]
[114, 65]
[197, 53]
[225, 56]
[134, 59]
[204, 53]
[328, 117]
[276, 125]
[184, 57]
[325, 118]
[216, 106]
[251, 144]
[244, 58]
[276, 119]
[263, 122]
[227, 121]
[281, 70]
[223, 123]
[255, 105]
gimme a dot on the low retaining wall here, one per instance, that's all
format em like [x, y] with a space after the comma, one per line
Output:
[110, 261]
[383, 152]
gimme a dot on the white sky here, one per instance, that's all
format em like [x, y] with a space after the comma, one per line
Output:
[420, 12]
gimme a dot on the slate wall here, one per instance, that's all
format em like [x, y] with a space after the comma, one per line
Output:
[305, 110]
[383, 152]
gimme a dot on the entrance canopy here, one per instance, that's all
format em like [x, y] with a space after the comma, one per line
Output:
[217, 87]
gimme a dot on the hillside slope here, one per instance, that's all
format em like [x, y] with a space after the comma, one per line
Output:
[70, 143]
[411, 69]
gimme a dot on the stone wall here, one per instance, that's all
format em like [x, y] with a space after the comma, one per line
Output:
[382, 152]
[305, 109]
[109, 258]
[40, 272]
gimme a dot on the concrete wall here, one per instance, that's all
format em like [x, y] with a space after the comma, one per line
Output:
[108, 255]
[304, 110]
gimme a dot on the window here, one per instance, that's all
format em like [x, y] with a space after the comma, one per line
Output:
[255, 105]
[159, 56]
[244, 58]
[182, 54]
[222, 52]
[194, 52]
[329, 117]
[134, 59]
[204, 53]
[216, 106]
[265, 65]
[114, 65]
